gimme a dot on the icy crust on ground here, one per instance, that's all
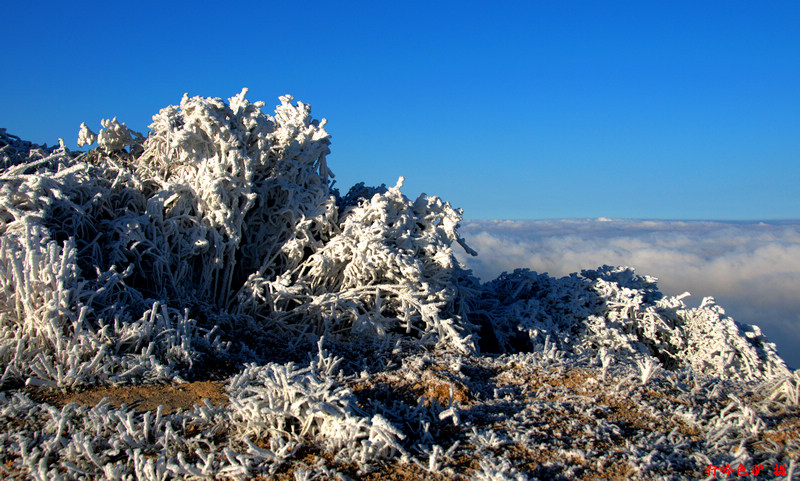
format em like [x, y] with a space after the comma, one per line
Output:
[218, 239]
[445, 416]
[273, 408]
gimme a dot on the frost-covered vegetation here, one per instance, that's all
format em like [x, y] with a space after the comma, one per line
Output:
[217, 245]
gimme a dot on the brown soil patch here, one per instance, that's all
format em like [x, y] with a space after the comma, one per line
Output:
[431, 384]
[786, 431]
[139, 398]
[623, 411]
[435, 386]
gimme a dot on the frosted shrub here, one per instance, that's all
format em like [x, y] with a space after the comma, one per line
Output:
[281, 403]
[15, 152]
[613, 309]
[249, 191]
[784, 389]
[391, 269]
[218, 238]
[113, 136]
[223, 219]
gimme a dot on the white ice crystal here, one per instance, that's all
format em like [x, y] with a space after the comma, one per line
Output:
[225, 213]
[86, 136]
[615, 310]
[114, 136]
[218, 239]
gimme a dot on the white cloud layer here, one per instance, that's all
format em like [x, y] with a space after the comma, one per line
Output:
[751, 268]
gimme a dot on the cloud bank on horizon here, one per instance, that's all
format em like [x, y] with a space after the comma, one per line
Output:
[752, 269]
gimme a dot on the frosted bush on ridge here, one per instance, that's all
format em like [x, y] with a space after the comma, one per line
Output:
[219, 238]
[390, 269]
[611, 309]
[225, 214]
[222, 223]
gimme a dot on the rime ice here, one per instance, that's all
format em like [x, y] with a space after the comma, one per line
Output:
[218, 239]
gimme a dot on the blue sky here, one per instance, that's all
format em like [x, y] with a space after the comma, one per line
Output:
[664, 110]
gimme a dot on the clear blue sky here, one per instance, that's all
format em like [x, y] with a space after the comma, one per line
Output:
[543, 109]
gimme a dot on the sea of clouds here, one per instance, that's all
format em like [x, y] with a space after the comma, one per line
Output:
[752, 269]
